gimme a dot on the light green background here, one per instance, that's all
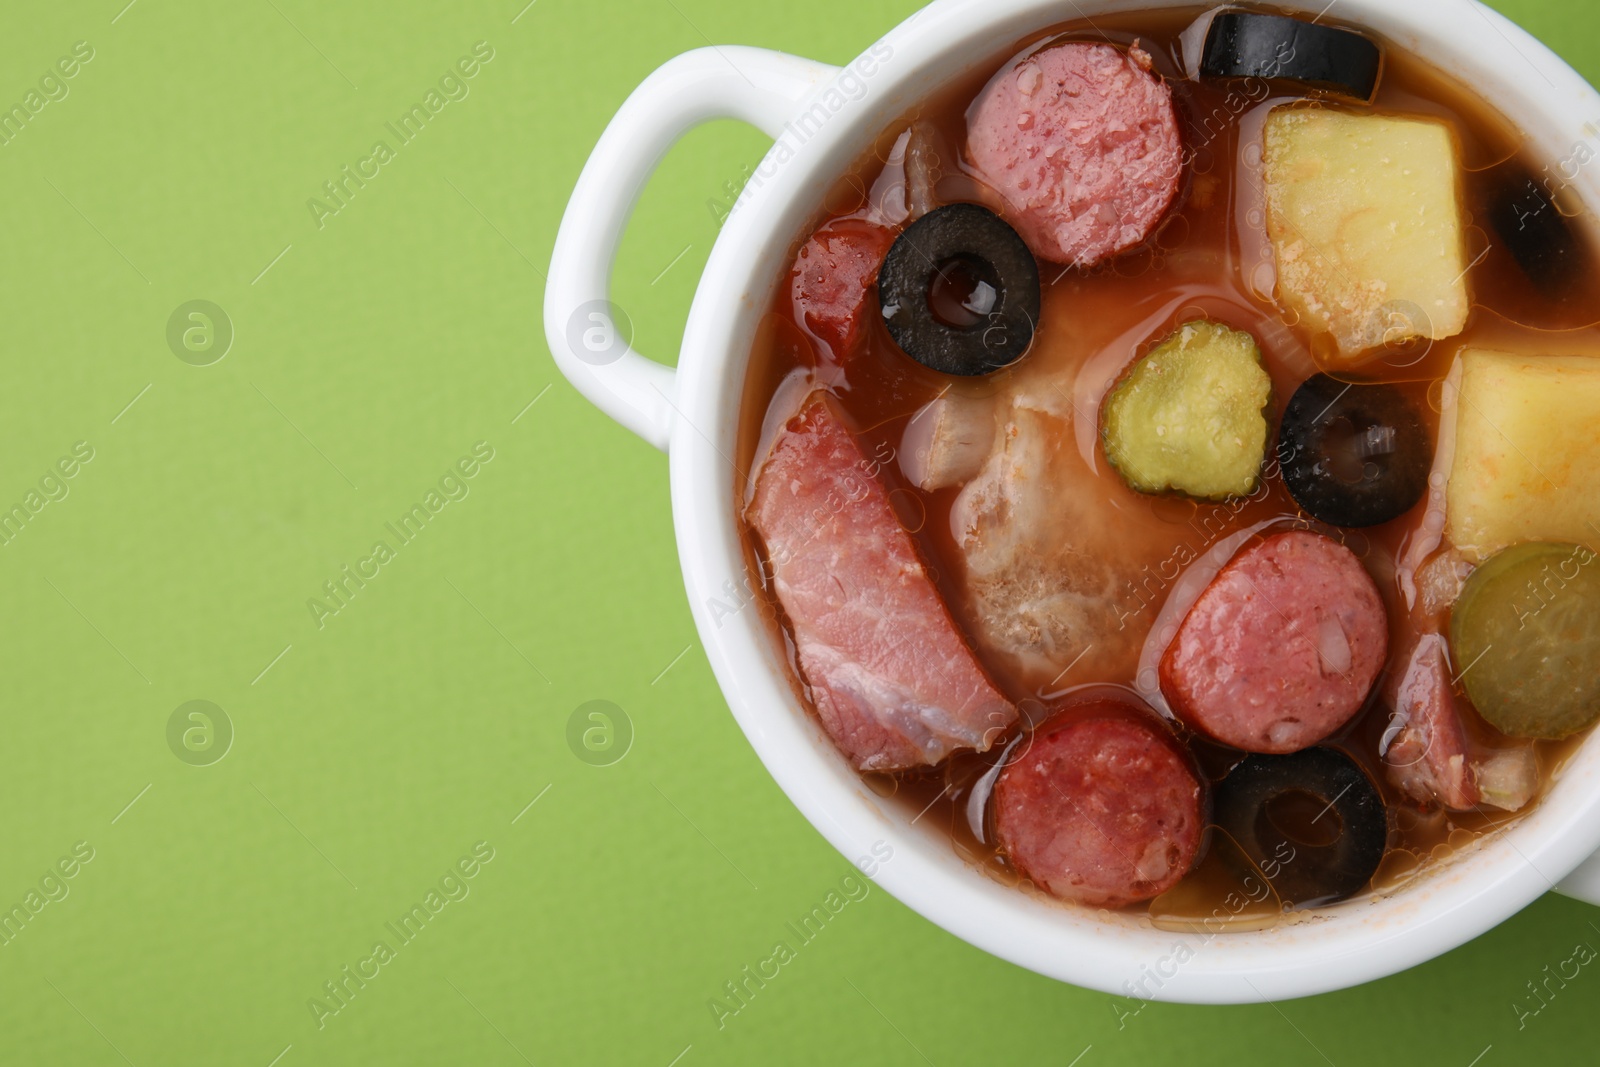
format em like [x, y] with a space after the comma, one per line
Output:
[424, 717]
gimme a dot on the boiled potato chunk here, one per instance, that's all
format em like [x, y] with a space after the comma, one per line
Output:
[1527, 452]
[1365, 222]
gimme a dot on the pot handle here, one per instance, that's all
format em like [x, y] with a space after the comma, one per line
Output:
[1584, 883]
[762, 87]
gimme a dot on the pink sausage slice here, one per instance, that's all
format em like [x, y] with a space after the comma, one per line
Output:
[1103, 808]
[1082, 142]
[893, 681]
[832, 279]
[1282, 647]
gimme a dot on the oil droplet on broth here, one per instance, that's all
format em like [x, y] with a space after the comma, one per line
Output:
[1397, 866]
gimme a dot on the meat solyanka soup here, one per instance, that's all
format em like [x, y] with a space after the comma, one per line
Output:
[1171, 466]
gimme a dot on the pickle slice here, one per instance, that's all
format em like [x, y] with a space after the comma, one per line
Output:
[1189, 415]
[1525, 635]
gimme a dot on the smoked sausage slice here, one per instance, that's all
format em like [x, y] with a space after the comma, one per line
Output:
[1282, 647]
[1101, 806]
[1082, 142]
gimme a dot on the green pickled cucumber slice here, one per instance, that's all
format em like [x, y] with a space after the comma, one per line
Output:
[1525, 635]
[1190, 416]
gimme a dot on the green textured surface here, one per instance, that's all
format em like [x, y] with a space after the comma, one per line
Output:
[370, 754]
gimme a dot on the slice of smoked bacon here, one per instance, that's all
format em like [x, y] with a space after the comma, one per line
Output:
[892, 678]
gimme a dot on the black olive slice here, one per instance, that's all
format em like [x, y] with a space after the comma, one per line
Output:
[1311, 821]
[1325, 59]
[1538, 237]
[1353, 454]
[959, 291]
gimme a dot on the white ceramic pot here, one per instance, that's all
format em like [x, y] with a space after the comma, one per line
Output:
[692, 413]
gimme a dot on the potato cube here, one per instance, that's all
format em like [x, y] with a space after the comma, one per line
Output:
[1527, 452]
[1365, 220]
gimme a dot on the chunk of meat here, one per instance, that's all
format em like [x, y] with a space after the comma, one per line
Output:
[1427, 758]
[1047, 582]
[1082, 142]
[892, 678]
[833, 278]
[1438, 583]
[1430, 756]
[1281, 649]
[1101, 807]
